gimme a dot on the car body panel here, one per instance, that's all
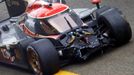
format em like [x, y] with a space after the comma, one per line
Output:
[13, 37]
[74, 33]
[84, 12]
[41, 9]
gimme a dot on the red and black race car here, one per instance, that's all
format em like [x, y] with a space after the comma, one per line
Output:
[49, 35]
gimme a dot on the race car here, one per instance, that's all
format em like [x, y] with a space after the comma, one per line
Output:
[49, 35]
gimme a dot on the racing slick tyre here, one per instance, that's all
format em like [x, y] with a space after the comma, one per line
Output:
[24, 43]
[119, 28]
[101, 10]
[43, 57]
[104, 9]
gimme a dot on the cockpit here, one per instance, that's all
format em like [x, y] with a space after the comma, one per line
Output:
[60, 23]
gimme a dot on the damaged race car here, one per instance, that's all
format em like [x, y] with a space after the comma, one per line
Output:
[49, 35]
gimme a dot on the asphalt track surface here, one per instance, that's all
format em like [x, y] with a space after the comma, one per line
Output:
[116, 61]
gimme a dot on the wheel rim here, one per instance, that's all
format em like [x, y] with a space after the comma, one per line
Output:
[34, 62]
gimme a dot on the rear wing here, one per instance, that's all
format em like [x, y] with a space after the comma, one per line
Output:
[11, 8]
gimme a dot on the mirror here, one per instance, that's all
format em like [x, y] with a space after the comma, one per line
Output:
[96, 1]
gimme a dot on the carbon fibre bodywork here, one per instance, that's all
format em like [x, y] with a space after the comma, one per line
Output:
[14, 40]
[75, 33]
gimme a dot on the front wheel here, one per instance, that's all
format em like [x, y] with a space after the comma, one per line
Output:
[43, 57]
[119, 27]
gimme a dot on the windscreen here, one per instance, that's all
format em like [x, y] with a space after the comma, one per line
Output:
[3, 11]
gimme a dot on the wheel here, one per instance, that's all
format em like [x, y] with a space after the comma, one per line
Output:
[15, 9]
[104, 9]
[24, 43]
[43, 57]
[101, 10]
[119, 28]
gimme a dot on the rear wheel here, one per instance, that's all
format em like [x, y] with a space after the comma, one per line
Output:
[119, 28]
[43, 57]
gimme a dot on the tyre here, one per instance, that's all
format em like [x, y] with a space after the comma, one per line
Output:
[24, 43]
[15, 9]
[101, 10]
[43, 57]
[119, 28]
[104, 9]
